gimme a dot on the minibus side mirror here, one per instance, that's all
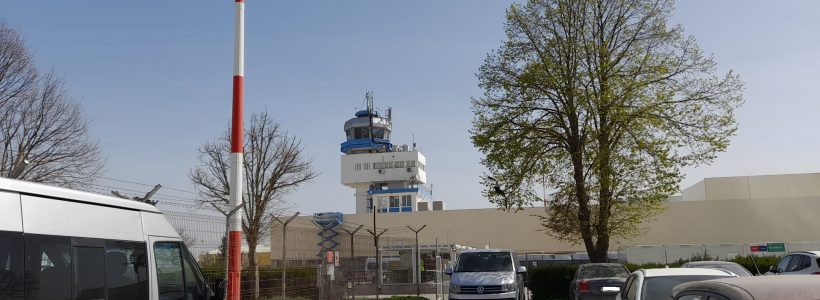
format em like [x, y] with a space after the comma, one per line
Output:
[521, 269]
[219, 292]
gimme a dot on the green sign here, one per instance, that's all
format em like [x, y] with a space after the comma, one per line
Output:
[776, 247]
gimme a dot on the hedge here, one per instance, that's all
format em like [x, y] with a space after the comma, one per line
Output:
[550, 281]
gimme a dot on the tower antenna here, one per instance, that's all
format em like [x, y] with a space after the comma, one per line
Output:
[368, 96]
[414, 141]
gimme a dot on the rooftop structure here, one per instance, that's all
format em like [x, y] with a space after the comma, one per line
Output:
[753, 187]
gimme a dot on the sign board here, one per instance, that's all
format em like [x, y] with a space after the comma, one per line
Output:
[769, 247]
[776, 247]
[336, 258]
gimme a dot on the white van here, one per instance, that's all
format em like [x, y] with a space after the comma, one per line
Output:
[57, 243]
[487, 274]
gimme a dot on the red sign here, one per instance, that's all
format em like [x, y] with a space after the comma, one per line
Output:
[329, 257]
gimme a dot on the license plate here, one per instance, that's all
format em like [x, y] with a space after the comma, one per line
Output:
[610, 289]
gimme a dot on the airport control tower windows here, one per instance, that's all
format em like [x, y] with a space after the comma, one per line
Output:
[361, 133]
[378, 133]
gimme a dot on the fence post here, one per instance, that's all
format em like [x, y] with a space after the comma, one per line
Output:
[352, 260]
[378, 259]
[416, 258]
[284, 250]
[439, 279]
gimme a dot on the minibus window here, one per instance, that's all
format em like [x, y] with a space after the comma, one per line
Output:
[48, 267]
[170, 279]
[90, 273]
[11, 265]
[194, 283]
[125, 270]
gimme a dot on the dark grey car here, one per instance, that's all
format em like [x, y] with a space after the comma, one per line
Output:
[598, 281]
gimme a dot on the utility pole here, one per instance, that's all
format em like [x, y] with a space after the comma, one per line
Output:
[376, 237]
[417, 259]
[237, 157]
[145, 199]
[284, 249]
[352, 260]
[227, 215]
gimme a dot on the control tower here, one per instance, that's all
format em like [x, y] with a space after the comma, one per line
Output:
[389, 177]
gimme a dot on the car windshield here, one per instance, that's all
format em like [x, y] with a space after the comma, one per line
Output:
[604, 271]
[661, 287]
[484, 262]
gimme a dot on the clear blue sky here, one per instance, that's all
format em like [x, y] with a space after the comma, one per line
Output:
[155, 79]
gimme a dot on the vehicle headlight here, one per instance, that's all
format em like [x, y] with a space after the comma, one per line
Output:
[508, 287]
[455, 288]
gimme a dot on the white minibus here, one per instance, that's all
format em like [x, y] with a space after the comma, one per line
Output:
[58, 243]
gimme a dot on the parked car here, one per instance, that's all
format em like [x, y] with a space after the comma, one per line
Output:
[58, 243]
[751, 288]
[798, 263]
[598, 281]
[486, 274]
[716, 264]
[652, 284]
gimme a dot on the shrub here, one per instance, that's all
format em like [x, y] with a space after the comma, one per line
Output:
[763, 262]
[550, 281]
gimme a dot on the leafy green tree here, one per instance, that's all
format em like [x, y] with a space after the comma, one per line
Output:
[594, 106]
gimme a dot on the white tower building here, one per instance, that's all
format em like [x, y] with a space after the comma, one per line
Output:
[391, 177]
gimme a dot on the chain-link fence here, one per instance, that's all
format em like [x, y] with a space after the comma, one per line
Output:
[311, 273]
[353, 266]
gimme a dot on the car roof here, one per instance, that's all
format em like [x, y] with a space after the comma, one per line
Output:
[815, 253]
[601, 264]
[486, 250]
[709, 263]
[660, 272]
[38, 189]
[759, 287]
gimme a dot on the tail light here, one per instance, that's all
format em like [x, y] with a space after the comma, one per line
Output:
[583, 286]
[815, 273]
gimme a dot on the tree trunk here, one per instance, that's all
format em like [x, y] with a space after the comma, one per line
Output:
[252, 266]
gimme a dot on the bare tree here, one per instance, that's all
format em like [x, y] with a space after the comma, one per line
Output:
[274, 166]
[43, 136]
[17, 72]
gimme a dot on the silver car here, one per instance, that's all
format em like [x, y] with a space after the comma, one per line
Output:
[751, 288]
[486, 274]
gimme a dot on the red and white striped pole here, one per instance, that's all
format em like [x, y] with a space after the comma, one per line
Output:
[236, 171]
